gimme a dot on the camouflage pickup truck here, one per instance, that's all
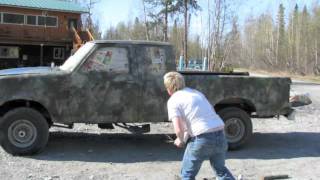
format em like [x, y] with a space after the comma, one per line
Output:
[121, 82]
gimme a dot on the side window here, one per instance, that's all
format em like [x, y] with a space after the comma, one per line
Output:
[157, 59]
[109, 59]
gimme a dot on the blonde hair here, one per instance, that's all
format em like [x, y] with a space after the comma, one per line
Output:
[174, 81]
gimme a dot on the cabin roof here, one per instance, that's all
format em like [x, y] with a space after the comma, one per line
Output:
[49, 5]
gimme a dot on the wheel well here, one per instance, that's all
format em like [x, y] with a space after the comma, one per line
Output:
[6, 107]
[243, 104]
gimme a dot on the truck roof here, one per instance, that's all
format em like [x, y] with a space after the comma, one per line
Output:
[131, 42]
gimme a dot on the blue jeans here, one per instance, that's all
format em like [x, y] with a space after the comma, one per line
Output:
[209, 146]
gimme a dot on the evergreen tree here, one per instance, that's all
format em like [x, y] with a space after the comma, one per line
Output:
[305, 41]
[293, 43]
[281, 39]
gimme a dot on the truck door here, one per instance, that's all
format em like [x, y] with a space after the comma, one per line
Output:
[152, 65]
[111, 91]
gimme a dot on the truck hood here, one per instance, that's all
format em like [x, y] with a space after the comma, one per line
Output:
[28, 70]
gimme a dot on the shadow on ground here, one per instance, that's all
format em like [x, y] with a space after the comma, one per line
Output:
[129, 148]
[117, 148]
[279, 146]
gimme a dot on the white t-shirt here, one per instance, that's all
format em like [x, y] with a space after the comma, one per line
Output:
[195, 110]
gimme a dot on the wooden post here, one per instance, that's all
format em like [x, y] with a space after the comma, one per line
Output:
[41, 54]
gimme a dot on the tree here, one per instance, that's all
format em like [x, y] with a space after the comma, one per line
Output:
[192, 5]
[137, 30]
[162, 9]
[176, 39]
[88, 22]
[167, 7]
[293, 39]
[305, 40]
[145, 21]
[281, 39]
[316, 38]
[234, 52]
[220, 15]
[185, 39]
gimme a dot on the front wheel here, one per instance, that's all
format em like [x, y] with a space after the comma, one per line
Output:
[25, 131]
[238, 126]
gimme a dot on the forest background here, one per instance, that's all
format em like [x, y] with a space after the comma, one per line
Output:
[283, 40]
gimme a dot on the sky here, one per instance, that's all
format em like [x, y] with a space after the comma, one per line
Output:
[110, 12]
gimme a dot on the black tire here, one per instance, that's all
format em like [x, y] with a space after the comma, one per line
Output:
[25, 131]
[238, 126]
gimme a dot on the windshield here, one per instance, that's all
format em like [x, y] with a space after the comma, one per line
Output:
[73, 61]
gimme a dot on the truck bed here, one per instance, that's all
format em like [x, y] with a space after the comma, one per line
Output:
[262, 96]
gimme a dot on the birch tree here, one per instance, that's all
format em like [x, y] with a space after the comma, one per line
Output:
[220, 15]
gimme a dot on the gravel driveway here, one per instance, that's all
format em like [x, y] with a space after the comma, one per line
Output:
[278, 147]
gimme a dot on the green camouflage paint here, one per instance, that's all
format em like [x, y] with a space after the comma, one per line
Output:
[122, 81]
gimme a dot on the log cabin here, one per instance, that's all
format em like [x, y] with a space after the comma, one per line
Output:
[37, 32]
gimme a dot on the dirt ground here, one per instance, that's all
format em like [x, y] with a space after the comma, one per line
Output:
[278, 147]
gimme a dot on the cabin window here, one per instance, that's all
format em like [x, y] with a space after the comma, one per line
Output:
[51, 21]
[9, 52]
[48, 21]
[32, 20]
[0, 17]
[13, 18]
[58, 53]
[41, 20]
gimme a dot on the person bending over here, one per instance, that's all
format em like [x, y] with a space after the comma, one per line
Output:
[196, 125]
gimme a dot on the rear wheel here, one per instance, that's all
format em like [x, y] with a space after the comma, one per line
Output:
[25, 131]
[238, 126]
